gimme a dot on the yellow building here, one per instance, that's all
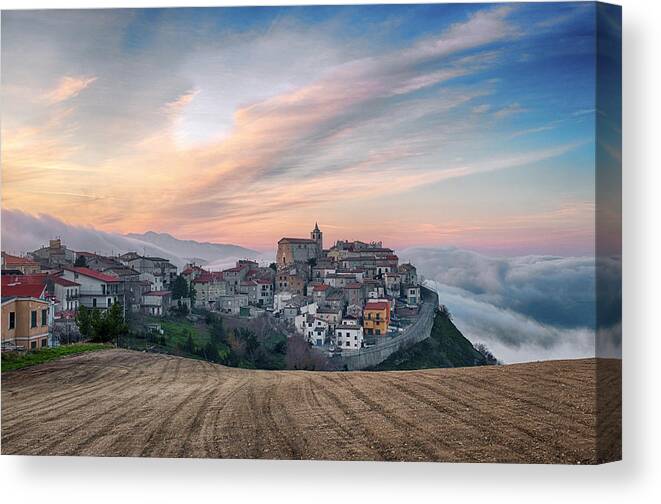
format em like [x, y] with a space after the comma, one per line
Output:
[376, 318]
[25, 322]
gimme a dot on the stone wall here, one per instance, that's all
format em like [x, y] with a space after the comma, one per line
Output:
[418, 331]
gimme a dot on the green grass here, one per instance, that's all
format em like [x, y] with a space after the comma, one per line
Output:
[18, 360]
[446, 347]
[175, 334]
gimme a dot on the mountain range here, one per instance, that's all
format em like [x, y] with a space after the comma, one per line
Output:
[22, 232]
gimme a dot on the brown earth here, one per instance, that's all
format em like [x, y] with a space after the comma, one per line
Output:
[123, 403]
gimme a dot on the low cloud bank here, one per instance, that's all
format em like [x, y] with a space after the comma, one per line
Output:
[23, 232]
[523, 308]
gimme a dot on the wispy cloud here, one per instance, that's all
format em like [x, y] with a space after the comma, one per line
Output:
[68, 87]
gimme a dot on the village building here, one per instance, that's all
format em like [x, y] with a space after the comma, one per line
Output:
[412, 293]
[300, 250]
[234, 276]
[316, 330]
[376, 318]
[97, 290]
[232, 304]
[259, 291]
[330, 315]
[55, 255]
[156, 303]
[292, 280]
[65, 294]
[393, 284]
[349, 334]
[155, 266]
[354, 293]
[208, 287]
[25, 319]
[335, 300]
[408, 274]
[16, 264]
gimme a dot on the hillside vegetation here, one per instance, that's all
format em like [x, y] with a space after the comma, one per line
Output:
[445, 348]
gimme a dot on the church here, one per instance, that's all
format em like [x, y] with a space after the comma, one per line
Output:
[300, 250]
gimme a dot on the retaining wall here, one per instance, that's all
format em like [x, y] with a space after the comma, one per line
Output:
[418, 331]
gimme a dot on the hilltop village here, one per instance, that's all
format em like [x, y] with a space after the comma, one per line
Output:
[347, 297]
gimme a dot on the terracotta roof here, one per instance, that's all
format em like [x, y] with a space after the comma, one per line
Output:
[321, 287]
[296, 240]
[11, 260]
[22, 290]
[64, 282]
[157, 293]
[94, 274]
[378, 305]
[354, 285]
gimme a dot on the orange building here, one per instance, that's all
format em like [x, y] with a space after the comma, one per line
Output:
[25, 322]
[376, 318]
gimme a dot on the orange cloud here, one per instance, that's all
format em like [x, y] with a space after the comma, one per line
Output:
[68, 87]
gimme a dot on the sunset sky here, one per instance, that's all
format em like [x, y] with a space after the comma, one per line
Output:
[464, 125]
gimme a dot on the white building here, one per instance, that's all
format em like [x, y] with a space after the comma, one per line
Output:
[412, 293]
[349, 334]
[316, 330]
[97, 290]
[67, 294]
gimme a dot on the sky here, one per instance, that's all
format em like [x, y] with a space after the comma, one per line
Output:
[467, 125]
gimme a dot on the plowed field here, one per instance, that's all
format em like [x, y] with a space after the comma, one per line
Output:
[123, 403]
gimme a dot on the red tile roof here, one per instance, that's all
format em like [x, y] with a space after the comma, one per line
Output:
[64, 282]
[378, 305]
[22, 290]
[90, 273]
[11, 260]
[157, 293]
[321, 287]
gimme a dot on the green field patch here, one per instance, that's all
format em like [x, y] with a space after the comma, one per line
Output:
[12, 361]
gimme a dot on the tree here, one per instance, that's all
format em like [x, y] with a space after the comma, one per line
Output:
[101, 326]
[84, 322]
[273, 266]
[191, 295]
[444, 310]
[81, 261]
[190, 346]
[179, 288]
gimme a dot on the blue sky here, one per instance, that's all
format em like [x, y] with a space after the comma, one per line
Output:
[458, 124]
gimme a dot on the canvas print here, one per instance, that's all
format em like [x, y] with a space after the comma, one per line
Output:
[370, 232]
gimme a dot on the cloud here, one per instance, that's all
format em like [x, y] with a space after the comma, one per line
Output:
[524, 308]
[68, 87]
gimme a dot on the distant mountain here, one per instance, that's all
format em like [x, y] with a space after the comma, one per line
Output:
[22, 232]
[192, 250]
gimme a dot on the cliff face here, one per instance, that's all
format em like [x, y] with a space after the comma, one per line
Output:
[445, 347]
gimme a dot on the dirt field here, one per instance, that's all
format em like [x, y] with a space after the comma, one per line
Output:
[122, 403]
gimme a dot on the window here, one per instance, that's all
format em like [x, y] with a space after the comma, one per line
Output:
[33, 318]
[348, 335]
[44, 317]
[33, 345]
[44, 342]
[109, 302]
[103, 289]
[12, 320]
[94, 303]
[348, 343]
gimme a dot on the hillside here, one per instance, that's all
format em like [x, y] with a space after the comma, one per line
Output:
[123, 403]
[446, 347]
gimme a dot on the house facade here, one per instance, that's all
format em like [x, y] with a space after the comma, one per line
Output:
[26, 322]
[96, 290]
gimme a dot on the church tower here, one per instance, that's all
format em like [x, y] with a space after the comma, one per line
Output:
[318, 236]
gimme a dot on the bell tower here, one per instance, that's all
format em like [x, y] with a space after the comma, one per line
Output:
[318, 237]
